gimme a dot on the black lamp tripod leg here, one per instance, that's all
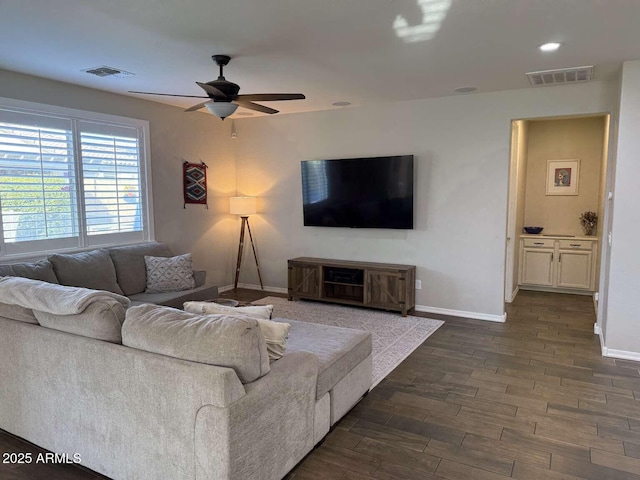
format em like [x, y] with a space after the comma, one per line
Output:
[254, 255]
[240, 249]
[245, 221]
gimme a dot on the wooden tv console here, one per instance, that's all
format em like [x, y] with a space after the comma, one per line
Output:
[376, 285]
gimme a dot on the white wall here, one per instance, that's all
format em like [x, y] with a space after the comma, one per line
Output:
[175, 137]
[461, 148]
[622, 313]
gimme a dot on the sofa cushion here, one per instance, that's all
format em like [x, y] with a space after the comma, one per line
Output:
[101, 320]
[129, 263]
[171, 274]
[16, 312]
[93, 269]
[234, 342]
[40, 270]
[338, 349]
[275, 333]
[177, 299]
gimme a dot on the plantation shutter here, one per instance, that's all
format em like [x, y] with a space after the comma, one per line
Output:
[112, 181]
[37, 182]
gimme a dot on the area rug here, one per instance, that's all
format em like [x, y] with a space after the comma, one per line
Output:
[394, 337]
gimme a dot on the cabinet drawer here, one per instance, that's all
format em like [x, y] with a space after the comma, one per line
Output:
[575, 244]
[539, 242]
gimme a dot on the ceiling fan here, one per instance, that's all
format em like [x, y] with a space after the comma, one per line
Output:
[223, 98]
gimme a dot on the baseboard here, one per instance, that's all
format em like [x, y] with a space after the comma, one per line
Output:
[596, 329]
[515, 292]
[513, 295]
[461, 313]
[569, 291]
[622, 354]
[251, 286]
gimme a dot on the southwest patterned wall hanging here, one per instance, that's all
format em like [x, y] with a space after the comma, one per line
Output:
[195, 183]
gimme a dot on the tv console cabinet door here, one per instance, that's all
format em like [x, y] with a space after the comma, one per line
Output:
[304, 280]
[386, 289]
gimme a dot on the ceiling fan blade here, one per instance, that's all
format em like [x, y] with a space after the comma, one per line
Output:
[266, 97]
[255, 106]
[197, 107]
[211, 90]
[168, 94]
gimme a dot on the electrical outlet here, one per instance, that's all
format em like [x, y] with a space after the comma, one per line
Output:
[418, 284]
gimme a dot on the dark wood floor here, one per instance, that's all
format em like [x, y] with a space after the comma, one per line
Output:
[528, 399]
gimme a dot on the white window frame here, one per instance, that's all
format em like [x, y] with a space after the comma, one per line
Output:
[31, 249]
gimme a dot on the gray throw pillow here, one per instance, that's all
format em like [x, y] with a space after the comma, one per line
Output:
[130, 266]
[169, 274]
[93, 269]
[40, 270]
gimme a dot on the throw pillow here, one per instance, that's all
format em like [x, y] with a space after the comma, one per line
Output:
[275, 333]
[93, 269]
[40, 270]
[256, 311]
[130, 267]
[169, 274]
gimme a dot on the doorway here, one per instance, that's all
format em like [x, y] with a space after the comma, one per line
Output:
[562, 258]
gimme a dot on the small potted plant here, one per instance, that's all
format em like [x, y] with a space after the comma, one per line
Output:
[588, 220]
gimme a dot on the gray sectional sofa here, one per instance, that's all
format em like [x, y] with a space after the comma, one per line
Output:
[135, 406]
[119, 270]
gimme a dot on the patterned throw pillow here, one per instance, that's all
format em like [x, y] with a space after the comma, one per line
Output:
[169, 274]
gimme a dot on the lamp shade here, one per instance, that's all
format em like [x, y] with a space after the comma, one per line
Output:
[242, 205]
[221, 109]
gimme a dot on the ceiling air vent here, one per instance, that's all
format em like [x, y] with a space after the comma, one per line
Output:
[104, 71]
[563, 75]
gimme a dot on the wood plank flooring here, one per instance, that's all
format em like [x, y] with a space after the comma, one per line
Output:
[530, 399]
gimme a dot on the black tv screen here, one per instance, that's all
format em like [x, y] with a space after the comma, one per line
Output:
[358, 192]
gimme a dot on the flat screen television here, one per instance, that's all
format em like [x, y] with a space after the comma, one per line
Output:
[358, 192]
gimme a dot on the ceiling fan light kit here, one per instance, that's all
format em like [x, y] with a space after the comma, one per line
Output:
[221, 109]
[223, 95]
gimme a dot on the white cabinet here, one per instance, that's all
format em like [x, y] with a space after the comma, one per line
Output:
[557, 263]
[537, 267]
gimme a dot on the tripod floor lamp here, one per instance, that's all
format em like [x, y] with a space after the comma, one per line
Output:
[244, 206]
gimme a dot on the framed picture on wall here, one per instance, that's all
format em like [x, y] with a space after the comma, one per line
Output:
[562, 177]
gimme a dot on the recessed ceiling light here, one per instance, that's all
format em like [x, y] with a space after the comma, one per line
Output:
[550, 47]
[465, 89]
[341, 104]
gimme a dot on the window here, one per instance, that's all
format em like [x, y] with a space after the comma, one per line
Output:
[69, 180]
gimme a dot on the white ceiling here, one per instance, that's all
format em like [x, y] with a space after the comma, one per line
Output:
[360, 51]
